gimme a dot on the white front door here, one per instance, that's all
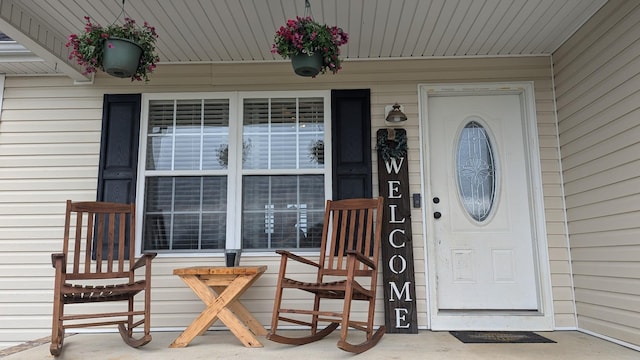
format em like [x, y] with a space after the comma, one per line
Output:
[481, 213]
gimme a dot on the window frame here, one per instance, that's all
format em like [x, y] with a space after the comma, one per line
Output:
[234, 170]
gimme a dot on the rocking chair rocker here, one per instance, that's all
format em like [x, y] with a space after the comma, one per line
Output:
[96, 236]
[347, 270]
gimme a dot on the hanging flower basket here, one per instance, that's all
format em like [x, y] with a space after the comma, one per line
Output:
[121, 57]
[307, 65]
[92, 49]
[303, 36]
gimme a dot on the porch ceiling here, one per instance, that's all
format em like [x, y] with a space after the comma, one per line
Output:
[242, 30]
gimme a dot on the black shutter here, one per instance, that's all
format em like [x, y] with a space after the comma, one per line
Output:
[119, 148]
[118, 165]
[351, 141]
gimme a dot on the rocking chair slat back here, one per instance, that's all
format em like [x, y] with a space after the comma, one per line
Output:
[353, 227]
[101, 240]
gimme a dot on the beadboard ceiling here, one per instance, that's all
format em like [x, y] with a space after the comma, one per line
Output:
[242, 30]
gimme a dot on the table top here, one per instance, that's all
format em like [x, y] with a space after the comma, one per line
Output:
[220, 270]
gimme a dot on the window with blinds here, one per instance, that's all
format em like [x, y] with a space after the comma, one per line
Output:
[185, 199]
[202, 167]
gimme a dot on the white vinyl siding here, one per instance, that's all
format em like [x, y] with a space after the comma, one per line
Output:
[597, 76]
[49, 150]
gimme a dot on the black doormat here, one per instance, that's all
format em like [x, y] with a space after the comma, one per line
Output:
[505, 337]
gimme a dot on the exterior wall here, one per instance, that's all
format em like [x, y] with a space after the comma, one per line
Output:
[49, 144]
[597, 73]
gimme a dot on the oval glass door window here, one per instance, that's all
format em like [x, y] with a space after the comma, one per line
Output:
[476, 171]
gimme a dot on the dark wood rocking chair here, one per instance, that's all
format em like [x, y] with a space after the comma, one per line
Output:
[96, 265]
[347, 270]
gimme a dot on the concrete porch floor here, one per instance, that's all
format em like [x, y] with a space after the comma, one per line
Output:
[425, 345]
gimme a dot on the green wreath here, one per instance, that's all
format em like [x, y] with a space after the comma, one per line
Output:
[395, 148]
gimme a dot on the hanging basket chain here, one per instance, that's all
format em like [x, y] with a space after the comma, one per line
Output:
[121, 13]
[307, 8]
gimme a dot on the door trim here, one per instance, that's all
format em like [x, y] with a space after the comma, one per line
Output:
[539, 320]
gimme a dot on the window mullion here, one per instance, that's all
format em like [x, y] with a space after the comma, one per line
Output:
[298, 208]
[173, 135]
[269, 135]
[173, 211]
[201, 167]
[173, 166]
[234, 175]
[200, 214]
[272, 214]
[296, 128]
[201, 134]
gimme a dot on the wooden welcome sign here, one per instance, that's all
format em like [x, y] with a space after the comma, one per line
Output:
[397, 251]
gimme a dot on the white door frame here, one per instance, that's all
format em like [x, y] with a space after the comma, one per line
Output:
[539, 320]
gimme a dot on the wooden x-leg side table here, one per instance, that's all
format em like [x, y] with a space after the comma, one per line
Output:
[220, 289]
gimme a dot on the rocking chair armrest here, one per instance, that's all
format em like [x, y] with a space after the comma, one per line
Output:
[143, 260]
[363, 259]
[59, 259]
[295, 257]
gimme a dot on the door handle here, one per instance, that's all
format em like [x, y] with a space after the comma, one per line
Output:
[437, 215]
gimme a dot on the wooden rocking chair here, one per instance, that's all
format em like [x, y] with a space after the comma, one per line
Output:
[97, 265]
[347, 270]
